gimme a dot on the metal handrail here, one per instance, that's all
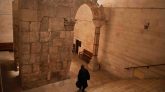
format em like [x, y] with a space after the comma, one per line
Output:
[148, 66]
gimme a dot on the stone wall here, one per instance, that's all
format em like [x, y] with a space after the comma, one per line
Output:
[45, 32]
[44, 45]
[6, 30]
[124, 41]
[43, 38]
[132, 3]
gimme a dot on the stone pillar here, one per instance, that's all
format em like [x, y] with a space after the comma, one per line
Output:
[69, 28]
[94, 65]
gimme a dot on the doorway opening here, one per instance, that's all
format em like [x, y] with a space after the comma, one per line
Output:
[77, 45]
[9, 72]
[84, 32]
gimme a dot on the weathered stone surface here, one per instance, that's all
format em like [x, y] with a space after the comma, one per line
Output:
[68, 42]
[34, 59]
[65, 64]
[26, 69]
[34, 36]
[45, 12]
[15, 5]
[57, 42]
[44, 24]
[54, 58]
[44, 58]
[44, 36]
[69, 24]
[29, 79]
[28, 15]
[25, 59]
[36, 48]
[45, 48]
[24, 37]
[34, 26]
[25, 48]
[53, 50]
[59, 66]
[36, 68]
[55, 34]
[24, 26]
[29, 4]
[63, 12]
[62, 34]
[68, 34]
[57, 24]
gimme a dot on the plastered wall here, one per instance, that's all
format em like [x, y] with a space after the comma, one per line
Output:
[125, 42]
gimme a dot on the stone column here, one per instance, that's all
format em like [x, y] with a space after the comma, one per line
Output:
[94, 65]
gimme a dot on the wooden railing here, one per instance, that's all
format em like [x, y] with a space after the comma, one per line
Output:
[147, 66]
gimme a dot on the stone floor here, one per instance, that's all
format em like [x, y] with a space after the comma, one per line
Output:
[97, 79]
[145, 85]
[134, 85]
[101, 81]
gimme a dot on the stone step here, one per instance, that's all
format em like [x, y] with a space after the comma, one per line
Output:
[129, 85]
[147, 85]
[152, 72]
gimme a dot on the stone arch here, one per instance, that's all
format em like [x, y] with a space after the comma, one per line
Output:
[98, 19]
[97, 10]
[84, 27]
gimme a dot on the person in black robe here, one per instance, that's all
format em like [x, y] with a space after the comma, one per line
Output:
[83, 76]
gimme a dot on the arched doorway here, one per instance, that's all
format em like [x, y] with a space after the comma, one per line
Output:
[84, 32]
[89, 19]
[84, 28]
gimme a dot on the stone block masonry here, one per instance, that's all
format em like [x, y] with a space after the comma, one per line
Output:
[44, 48]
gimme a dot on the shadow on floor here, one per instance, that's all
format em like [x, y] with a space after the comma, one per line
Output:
[10, 80]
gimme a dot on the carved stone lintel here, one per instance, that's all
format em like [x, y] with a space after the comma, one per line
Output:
[69, 24]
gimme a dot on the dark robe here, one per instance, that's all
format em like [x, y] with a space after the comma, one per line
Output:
[83, 76]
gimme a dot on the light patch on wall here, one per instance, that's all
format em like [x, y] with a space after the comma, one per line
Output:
[82, 13]
[6, 30]
[100, 2]
[105, 2]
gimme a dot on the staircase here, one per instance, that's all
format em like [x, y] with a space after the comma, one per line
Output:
[102, 81]
[132, 85]
[148, 71]
[129, 85]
